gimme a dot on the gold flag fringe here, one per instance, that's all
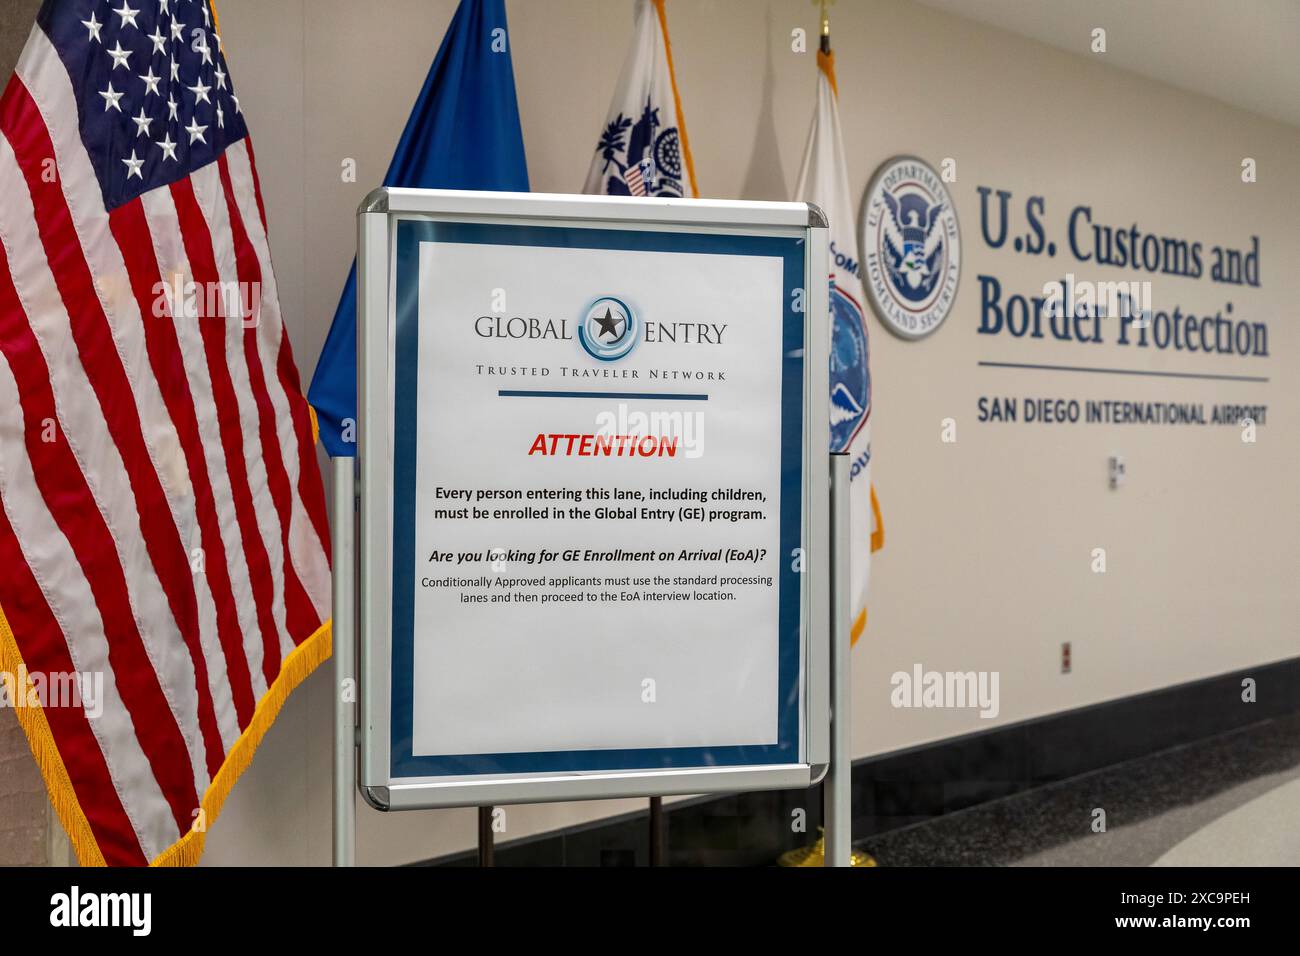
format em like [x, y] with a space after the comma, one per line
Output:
[41, 740]
[301, 662]
[677, 100]
[304, 659]
[826, 63]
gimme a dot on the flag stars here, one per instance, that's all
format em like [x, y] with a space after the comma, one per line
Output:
[168, 147]
[196, 131]
[220, 74]
[171, 109]
[151, 83]
[133, 166]
[176, 70]
[128, 15]
[142, 123]
[94, 26]
[207, 20]
[235, 99]
[111, 98]
[178, 29]
[221, 118]
[119, 56]
[164, 7]
[200, 92]
[159, 41]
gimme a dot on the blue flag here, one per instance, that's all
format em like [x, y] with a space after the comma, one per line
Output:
[462, 134]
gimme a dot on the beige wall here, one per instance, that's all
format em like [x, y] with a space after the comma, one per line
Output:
[989, 540]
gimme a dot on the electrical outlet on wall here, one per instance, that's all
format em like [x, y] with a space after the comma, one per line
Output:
[1065, 657]
[1118, 469]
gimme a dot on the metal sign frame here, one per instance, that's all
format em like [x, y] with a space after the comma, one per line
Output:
[378, 219]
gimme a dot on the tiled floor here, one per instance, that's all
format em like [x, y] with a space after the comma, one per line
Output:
[1228, 800]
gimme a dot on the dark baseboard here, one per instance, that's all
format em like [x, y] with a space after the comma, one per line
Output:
[911, 786]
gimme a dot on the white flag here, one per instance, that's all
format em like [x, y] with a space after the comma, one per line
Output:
[824, 181]
[643, 149]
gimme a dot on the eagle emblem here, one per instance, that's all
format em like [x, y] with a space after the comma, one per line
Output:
[911, 247]
[642, 158]
[913, 244]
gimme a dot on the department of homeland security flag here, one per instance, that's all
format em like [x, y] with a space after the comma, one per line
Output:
[463, 133]
[163, 536]
[643, 150]
[824, 181]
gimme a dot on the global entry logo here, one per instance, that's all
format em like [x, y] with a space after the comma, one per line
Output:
[609, 329]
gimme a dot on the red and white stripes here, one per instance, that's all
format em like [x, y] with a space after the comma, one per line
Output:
[162, 514]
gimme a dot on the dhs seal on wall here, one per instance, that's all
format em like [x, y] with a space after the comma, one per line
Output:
[911, 247]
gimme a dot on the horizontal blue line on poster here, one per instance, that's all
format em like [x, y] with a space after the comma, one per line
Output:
[1127, 371]
[661, 396]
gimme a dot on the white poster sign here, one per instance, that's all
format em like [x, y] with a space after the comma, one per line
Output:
[596, 533]
[599, 503]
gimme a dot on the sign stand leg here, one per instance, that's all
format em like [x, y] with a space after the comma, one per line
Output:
[485, 838]
[656, 831]
[344, 654]
[839, 791]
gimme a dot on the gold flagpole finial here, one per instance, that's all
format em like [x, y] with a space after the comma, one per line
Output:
[826, 23]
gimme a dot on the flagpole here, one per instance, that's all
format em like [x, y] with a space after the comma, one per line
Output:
[838, 793]
[344, 653]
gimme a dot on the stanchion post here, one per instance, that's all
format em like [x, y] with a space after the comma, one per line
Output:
[486, 841]
[656, 831]
[839, 791]
[344, 653]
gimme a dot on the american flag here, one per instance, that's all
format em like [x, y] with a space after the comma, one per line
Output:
[163, 519]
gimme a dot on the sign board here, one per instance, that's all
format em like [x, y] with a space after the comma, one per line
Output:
[593, 453]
